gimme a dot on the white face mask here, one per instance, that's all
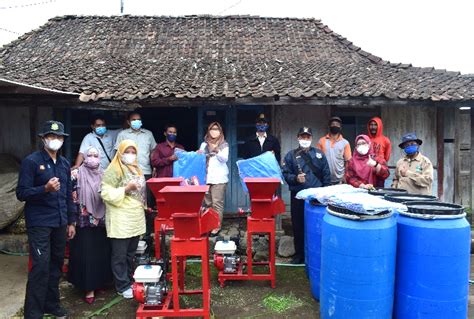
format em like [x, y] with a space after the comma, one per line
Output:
[214, 133]
[53, 145]
[363, 149]
[305, 143]
[128, 158]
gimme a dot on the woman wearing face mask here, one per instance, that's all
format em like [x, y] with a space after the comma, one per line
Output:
[364, 166]
[89, 262]
[217, 153]
[123, 191]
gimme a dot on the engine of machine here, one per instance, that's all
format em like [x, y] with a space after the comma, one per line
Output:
[149, 287]
[225, 258]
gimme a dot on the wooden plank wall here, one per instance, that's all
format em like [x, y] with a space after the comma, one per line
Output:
[462, 164]
[449, 150]
[15, 129]
[399, 120]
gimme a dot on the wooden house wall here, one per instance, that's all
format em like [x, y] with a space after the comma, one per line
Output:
[18, 129]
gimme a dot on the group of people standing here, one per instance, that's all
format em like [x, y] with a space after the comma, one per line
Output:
[100, 206]
[331, 162]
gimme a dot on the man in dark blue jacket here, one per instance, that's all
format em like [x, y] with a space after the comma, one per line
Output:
[304, 167]
[44, 183]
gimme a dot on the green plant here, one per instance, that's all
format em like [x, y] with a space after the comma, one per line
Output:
[281, 304]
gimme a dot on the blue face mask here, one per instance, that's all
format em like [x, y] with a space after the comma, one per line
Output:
[411, 149]
[100, 130]
[261, 127]
[171, 137]
[136, 124]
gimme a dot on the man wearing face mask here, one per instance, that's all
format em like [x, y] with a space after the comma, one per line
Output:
[262, 141]
[44, 183]
[304, 167]
[414, 172]
[146, 144]
[101, 139]
[337, 150]
[163, 156]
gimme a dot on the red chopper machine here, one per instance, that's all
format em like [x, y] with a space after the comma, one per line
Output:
[264, 207]
[191, 225]
[163, 220]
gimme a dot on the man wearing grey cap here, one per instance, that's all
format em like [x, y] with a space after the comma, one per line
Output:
[44, 183]
[304, 167]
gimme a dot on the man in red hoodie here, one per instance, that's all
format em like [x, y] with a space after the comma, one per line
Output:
[380, 143]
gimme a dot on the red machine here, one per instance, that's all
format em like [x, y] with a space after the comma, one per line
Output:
[191, 226]
[264, 207]
[163, 220]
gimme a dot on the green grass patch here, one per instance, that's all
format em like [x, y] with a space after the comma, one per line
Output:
[280, 304]
[194, 269]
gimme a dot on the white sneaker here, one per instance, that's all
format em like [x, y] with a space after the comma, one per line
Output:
[127, 294]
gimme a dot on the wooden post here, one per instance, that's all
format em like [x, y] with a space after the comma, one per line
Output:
[440, 149]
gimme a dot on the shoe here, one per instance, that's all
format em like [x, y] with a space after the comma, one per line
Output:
[89, 300]
[214, 233]
[59, 312]
[127, 294]
[297, 260]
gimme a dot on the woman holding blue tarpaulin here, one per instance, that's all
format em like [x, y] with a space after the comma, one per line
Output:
[216, 150]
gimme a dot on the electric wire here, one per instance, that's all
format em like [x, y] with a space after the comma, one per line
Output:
[27, 5]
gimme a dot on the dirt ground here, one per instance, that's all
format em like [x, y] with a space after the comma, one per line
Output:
[237, 299]
[240, 299]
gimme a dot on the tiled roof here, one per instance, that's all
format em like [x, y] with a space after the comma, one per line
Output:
[139, 57]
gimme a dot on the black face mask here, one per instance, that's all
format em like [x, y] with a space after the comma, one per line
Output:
[334, 129]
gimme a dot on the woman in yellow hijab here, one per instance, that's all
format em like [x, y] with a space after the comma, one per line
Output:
[123, 192]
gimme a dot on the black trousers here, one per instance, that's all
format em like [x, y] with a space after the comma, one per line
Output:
[123, 250]
[297, 221]
[47, 245]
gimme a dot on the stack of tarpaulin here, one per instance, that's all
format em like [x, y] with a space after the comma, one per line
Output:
[354, 199]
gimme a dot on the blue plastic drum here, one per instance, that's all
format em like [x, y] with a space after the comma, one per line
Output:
[357, 265]
[433, 254]
[408, 198]
[313, 218]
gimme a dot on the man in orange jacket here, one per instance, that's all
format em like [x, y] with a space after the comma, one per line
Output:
[380, 143]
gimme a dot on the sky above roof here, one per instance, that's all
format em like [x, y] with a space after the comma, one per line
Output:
[424, 33]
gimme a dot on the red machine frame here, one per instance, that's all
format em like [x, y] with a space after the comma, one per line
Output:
[191, 227]
[163, 217]
[264, 206]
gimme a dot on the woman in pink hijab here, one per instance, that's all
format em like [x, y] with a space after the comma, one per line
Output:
[365, 166]
[89, 261]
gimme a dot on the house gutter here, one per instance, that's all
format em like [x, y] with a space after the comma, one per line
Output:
[37, 87]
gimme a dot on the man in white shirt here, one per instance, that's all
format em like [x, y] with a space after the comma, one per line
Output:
[144, 139]
[146, 144]
[101, 139]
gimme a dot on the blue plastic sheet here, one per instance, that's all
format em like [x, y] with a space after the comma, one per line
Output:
[190, 164]
[264, 165]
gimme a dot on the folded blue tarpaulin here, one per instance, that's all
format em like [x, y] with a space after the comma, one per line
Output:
[190, 164]
[264, 165]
